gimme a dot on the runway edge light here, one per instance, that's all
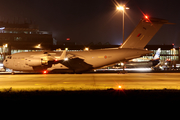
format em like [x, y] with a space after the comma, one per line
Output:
[119, 86]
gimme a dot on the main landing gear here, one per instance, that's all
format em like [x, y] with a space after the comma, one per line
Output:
[12, 73]
[123, 68]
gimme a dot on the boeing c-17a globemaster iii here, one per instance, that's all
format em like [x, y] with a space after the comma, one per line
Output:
[82, 61]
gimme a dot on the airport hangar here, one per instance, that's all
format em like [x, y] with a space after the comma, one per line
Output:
[25, 37]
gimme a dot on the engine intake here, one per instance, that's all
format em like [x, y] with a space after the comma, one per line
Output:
[36, 62]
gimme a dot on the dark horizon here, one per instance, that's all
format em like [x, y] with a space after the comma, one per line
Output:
[96, 20]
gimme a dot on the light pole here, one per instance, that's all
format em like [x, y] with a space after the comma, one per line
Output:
[174, 62]
[5, 46]
[122, 8]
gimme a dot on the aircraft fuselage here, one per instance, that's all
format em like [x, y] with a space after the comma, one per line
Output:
[77, 61]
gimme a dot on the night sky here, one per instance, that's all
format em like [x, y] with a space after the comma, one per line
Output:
[85, 21]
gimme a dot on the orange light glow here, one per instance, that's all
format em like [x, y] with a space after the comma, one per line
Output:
[120, 8]
[146, 16]
[119, 87]
[45, 72]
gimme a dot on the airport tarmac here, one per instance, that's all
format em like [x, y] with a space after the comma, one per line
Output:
[90, 81]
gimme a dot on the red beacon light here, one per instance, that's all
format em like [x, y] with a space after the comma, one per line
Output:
[45, 72]
[67, 39]
[146, 17]
[56, 60]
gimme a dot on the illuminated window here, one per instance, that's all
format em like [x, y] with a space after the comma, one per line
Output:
[15, 51]
[15, 32]
[26, 32]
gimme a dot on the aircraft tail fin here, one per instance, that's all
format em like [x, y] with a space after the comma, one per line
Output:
[63, 55]
[157, 55]
[143, 33]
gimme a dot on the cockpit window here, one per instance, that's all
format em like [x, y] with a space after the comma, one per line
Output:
[9, 57]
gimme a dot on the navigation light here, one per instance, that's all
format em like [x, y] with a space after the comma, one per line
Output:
[146, 17]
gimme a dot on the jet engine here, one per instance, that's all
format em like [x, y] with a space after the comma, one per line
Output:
[36, 62]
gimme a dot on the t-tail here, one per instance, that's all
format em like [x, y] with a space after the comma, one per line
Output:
[143, 33]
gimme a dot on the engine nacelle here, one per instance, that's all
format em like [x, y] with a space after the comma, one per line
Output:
[36, 62]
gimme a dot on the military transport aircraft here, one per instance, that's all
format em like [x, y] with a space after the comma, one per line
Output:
[82, 61]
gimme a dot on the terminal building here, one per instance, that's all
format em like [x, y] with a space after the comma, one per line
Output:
[18, 37]
[168, 52]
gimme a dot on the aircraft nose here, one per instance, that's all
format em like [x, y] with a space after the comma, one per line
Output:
[5, 63]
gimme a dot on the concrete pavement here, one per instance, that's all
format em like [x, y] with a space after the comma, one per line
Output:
[90, 81]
